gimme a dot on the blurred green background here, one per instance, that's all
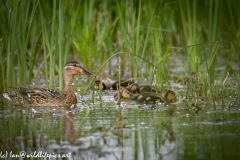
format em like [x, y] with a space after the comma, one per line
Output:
[37, 37]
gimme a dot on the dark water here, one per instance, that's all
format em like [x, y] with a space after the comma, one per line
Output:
[129, 131]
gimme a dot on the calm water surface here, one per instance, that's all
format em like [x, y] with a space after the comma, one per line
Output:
[129, 131]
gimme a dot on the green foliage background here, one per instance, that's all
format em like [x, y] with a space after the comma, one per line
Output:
[39, 36]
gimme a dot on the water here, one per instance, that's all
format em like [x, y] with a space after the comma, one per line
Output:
[128, 131]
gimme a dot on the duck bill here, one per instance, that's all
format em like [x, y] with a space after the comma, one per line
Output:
[86, 73]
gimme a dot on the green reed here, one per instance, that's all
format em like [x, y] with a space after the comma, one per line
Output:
[212, 36]
[234, 40]
[61, 37]
[8, 44]
[18, 52]
[56, 38]
[38, 37]
[161, 59]
[191, 32]
[84, 35]
[49, 45]
[135, 40]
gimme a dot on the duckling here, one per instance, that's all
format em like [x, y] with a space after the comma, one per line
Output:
[101, 85]
[147, 98]
[142, 88]
[185, 80]
[111, 85]
[167, 96]
[123, 83]
[123, 93]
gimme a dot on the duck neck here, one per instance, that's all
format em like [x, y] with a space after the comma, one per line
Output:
[67, 82]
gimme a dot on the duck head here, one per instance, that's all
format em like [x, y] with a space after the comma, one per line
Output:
[74, 68]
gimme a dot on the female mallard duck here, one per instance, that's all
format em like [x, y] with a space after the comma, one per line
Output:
[49, 97]
[142, 88]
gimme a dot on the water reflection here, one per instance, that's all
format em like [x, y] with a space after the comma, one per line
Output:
[95, 131]
[70, 134]
[167, 146]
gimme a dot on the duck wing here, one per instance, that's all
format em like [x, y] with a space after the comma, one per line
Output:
[42, 97]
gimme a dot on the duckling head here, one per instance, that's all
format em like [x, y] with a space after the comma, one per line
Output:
[169, 96]
[133, 86]
[124, 93]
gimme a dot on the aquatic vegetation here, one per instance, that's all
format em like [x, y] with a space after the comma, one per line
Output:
[196, 42]
[150, 35]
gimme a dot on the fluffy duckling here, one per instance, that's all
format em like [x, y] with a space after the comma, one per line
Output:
[167, 96]
[111, 85]
[142, 88]
[123, 93]
[147, 98]
[123, 83]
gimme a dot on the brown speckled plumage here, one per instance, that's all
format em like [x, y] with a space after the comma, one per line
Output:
[49, 97]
